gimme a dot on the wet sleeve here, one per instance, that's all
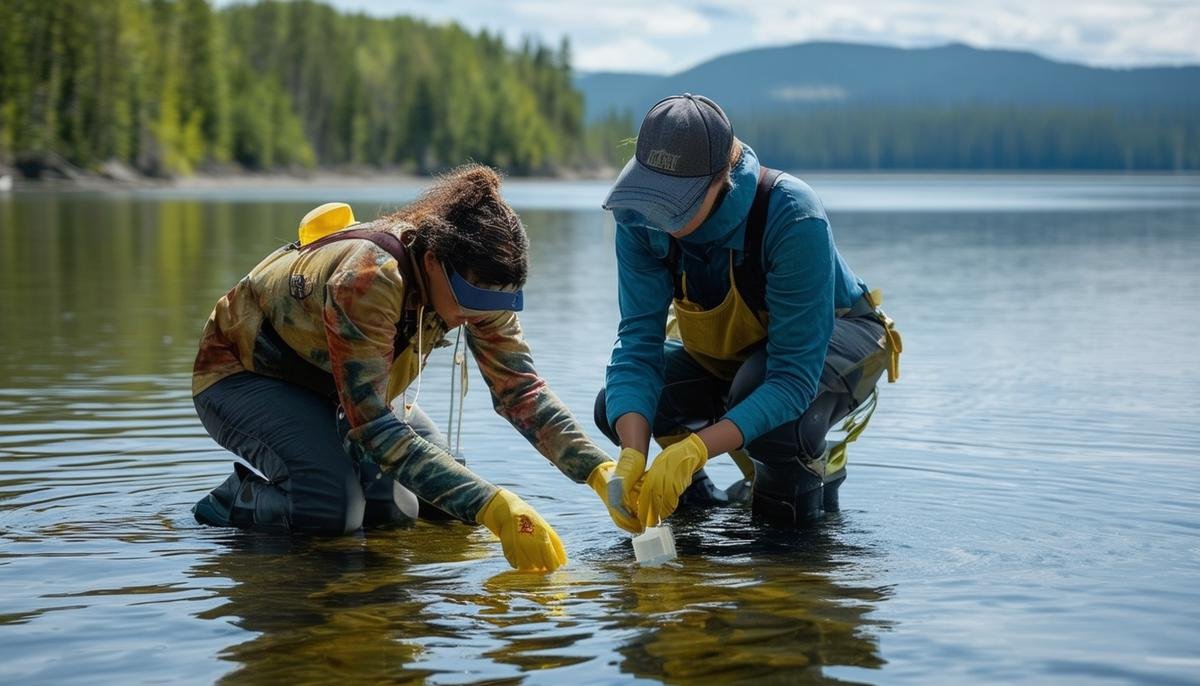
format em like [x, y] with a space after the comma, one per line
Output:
[523, 398]
[634, 377]
[361, 308]
[800, 293]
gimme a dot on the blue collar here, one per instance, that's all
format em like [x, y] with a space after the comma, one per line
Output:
[726, 228]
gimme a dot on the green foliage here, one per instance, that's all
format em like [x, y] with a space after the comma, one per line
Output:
[611, 140]
[170, 85]
[396, 92]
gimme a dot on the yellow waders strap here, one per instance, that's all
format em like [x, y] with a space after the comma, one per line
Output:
[895, 347]
[853, 426]
[895, 344]
[857, 422]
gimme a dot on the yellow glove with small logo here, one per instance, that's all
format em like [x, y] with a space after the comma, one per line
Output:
[618, 486]
[669, 477]
[529, 542]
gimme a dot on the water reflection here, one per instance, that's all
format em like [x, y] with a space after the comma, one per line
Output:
[747, 605]
[324, 609]
[410, 604]
[1047, 355]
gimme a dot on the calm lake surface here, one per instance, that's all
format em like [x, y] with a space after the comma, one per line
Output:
[1024, 508]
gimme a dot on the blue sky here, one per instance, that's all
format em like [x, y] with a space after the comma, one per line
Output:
[665, 36]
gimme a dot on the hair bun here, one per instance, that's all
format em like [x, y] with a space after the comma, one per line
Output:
[471, 183]
[465, 222]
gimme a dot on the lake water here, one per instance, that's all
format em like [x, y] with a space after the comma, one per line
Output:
[1025, 506]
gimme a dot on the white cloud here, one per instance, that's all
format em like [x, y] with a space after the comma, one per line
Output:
[673, 35]
[1100, 33]
[809, 93]
[622, 17]
[625, 54]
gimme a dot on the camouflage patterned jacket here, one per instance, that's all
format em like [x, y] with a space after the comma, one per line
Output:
[327, 319]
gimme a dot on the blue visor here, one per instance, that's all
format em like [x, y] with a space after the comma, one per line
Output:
[475, 298]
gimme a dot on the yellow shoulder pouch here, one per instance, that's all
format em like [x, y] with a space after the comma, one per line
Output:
[324, 220]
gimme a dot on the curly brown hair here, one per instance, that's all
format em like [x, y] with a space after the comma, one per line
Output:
[463, 220]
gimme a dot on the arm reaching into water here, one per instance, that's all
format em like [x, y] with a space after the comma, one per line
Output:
[523, 398]
[362, 304]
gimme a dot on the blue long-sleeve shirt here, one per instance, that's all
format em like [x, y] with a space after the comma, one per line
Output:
[807, 281]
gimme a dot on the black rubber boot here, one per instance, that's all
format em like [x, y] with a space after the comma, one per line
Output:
[388, 504]
[703, 493]
[789, 495]
[832, 483]
[740, 492]
[245, 501]
[214, 508]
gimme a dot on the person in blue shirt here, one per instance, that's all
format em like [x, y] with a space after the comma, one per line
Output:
[742, 329]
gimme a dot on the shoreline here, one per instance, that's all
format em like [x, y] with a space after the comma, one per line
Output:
[333, 178]
[132, 181]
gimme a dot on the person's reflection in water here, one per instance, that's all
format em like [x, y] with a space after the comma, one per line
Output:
[738, 606]
[537, 620]
[745, 606]
[331, 609]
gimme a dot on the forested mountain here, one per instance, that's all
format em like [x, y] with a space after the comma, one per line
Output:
[837, 105]
[170, 85]
[815, 75]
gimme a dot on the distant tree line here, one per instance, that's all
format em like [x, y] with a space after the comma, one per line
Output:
[949, 138]
[975, 138]
[167, 86]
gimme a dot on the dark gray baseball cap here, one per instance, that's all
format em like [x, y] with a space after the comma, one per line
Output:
[683, 144]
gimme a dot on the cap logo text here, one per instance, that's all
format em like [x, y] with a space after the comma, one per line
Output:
[663, 160]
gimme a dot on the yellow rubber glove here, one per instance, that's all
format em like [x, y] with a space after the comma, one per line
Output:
[626, 485]
[668, 477]
[529, 542]
[618, 485]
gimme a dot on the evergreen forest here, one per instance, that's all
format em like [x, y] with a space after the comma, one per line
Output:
[172, 86]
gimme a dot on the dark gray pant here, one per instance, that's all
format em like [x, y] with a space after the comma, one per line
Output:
[292, 436]
[693, 398]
